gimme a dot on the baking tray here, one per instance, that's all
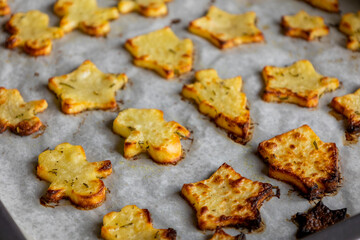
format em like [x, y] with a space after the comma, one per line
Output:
[137, 182]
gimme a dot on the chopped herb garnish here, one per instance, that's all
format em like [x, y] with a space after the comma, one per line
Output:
[112, 85]
[131, 128]
[53, 171]
[180, 135]
[96, 93]
[172, 51]
[126, 225]
[141, 142]
[315, 145]
[214, 92]
[212, 99]
[67, 85]
[177, 73]
[156, 235]
[357, 112]
[20, 115]
[86, 185]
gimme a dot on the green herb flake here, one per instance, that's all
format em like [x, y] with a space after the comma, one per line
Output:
[357, 112]
[315, 145]
[96, 93]
[180, 135]
[214, 92]
[67, 85]
[53, 171]
[112, 85]
[126, 225]
[176, 71]
[20, 115]
[211, 99]
[131, 128]
[172, 51]
[87, 186]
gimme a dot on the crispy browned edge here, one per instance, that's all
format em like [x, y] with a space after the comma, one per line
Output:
[167, 234]
[174, 162]
[5, 10]
[12, 42]
[298, 32]
[331, 184]
[335, 6]
[221, 232]
[86, 202]
[286, 95]
[238, 222]
[257, 38]
[243, 138]
[353, 126]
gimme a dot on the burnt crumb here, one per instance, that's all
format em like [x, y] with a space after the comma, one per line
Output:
[317, 218]
[36, 74]
[175, 21]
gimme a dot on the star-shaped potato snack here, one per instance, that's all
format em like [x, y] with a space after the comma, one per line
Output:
[31, 31]
[148, 8]
[163, 52]
[298, 83]
[221, 100]
[318, 218]
[145, 130]
[301, 159]
[86, 16]
[227, 199]
[87, 88]
[133, 223]
[17, 115]
[327, 5]
[227, 30]
[221, 235]
[350, 25]
[72, 176]
[4, 8]
[349, 106]
[302, 25]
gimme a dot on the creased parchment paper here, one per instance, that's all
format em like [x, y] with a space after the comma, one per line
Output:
[142, 182]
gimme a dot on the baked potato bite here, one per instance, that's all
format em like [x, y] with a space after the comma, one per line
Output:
[87, 88]
[227, 199]
[227, 30]
[350, 25]
[72, 176]
[17, 115]
[301, 159]
[163, 52]
[222, 101]
[148, 8]
[349, 106]
[133, 223]
[145, 130]
[86, 16]
[299, 84]
[32, 33]
[327, 5]
[4, 8]
[302, 25]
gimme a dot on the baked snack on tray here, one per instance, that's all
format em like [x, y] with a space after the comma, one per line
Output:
[227, 30]
[302, 25]
[349, 106]
[227, 199]
[221, 235]
[301, 159]
[221, 100]
[86, 16]
[163, 52]
[145, 130]
[148, 8]
[133, 223]
[317, 218]
[17, 115]
[298, 83]
[31, 31]
[350, 25]
[87, 88]
[4, 8]
[72, 176]
[327, 5]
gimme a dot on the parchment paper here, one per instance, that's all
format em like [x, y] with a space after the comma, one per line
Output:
[142, 182]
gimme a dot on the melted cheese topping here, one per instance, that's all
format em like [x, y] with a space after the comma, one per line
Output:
[88, 87]
[225, 194]
[304, 21]
[66, 168]
[131, 223]
[76, 13]
[14, 110]
[300, 77]
[33, 26]
[351, 105]
[228, 26]
[164, 48]
[148, 129]
[223, 95]
[302, 153]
